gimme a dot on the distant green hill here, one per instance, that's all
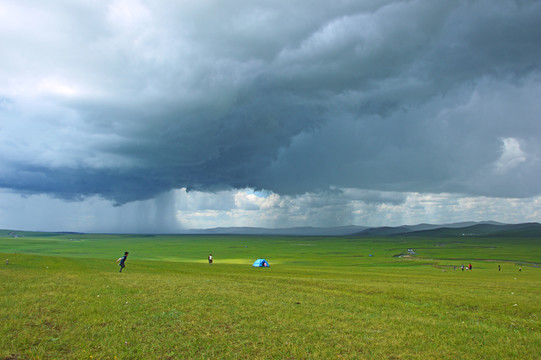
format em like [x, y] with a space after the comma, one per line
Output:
[20, 233]
[385, 231]
[504, 230]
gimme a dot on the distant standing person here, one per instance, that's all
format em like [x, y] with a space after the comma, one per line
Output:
[121, 261]
[499, 269]
[462, 267]
[470, 266]
[210, 259]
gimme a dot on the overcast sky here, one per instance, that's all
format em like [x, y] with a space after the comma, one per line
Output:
[156, 115]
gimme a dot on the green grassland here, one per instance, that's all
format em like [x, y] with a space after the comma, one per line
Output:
[62, 297]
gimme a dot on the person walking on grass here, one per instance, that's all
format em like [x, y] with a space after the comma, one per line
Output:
[210, 259]
[122, 260]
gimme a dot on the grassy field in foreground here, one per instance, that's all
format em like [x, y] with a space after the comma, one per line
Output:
[61, 297]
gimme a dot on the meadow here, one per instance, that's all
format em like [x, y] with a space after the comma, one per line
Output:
[62, 297]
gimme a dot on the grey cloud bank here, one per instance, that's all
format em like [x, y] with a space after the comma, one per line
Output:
[133, 99]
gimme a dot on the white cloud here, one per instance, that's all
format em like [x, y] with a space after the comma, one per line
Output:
[172, 212]
[250, 200]
[55, 87]
[128, 14]
[511, 156]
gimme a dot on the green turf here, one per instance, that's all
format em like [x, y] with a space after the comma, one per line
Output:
[61, 297]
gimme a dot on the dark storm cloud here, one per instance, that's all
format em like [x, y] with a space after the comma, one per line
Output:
[138, 98]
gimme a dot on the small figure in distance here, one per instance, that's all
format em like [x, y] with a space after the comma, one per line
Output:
[499, 269]
[462, 267]
[210, 259]
[470, 266]
[519, 269]
[122, 260]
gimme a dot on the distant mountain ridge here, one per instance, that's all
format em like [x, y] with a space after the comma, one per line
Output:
[469, 228]
[482, 229]
[293, 231]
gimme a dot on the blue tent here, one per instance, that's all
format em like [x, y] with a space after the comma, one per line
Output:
[261, 263]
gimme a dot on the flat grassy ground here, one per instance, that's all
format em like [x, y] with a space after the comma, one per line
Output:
[61, 297]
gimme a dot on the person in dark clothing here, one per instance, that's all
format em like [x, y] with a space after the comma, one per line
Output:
[122, 260]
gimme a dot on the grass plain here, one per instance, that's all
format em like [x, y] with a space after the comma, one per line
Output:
[62, 297]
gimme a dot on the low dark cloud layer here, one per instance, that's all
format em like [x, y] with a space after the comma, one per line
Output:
[133, 99]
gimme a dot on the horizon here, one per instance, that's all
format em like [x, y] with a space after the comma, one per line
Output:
[276, 231]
